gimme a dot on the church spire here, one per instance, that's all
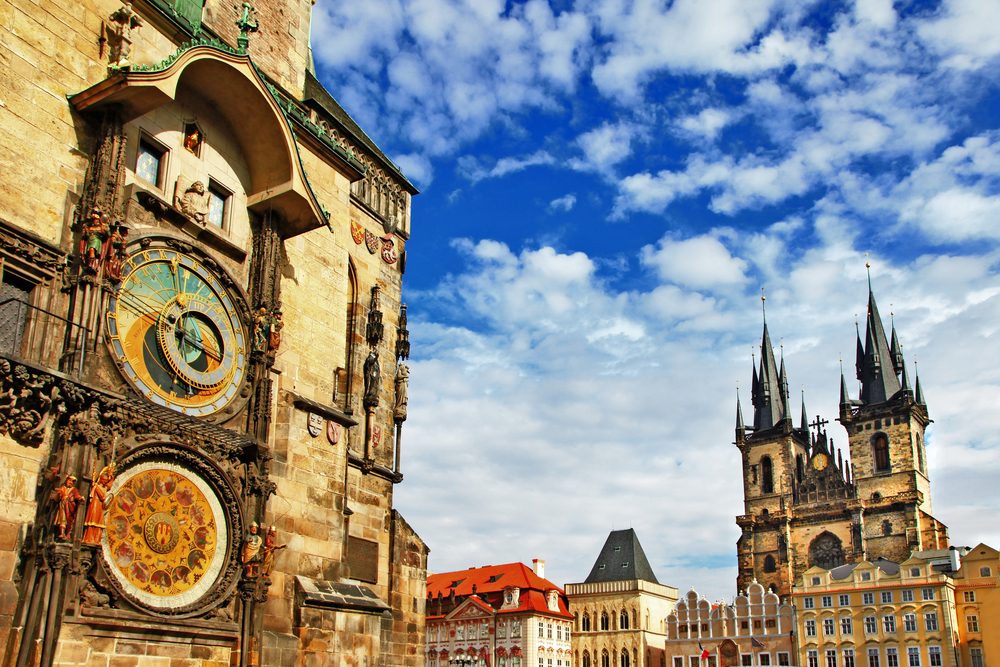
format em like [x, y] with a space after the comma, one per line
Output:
[876, 370]
[804, 419]
[919, 393]
[768, 398]
[740, 427]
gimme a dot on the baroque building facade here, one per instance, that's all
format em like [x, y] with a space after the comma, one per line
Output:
[497, 616]
[619, 611]
[202, 387]
[804, 504]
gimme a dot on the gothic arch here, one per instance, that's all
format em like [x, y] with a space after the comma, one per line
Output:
[880, 453]
[826, 551]
[767, 475]
[769, 565]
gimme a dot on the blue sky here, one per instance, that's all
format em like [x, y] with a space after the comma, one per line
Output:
[607, 186]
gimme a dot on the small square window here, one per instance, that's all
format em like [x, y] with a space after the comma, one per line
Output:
[826, 601]
[927, 593]
[914, 571]
[816, 581]
[886, 597]
[969, 596]
[868, 598]
[808, 603]
[985, 572]
[150, 161]
[907, 595]
[866, 576]
[845, 600]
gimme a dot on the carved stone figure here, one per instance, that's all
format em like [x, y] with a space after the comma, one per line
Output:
[261, 330]
[402, 390]
[91, 597]
[119, 35]
[116, 253]
[373, 378]
[92, 236]
[269, 548]
[194, 203]
[100, 499]
[274, 334]
[67, 499]
[251, 552]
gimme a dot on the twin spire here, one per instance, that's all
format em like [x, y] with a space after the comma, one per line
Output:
[880, 368]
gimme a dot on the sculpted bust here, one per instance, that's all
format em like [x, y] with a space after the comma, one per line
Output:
[194, 204]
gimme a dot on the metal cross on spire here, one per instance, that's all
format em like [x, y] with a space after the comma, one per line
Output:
[818, 424]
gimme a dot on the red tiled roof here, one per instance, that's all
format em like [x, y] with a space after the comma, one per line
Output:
[532, 587]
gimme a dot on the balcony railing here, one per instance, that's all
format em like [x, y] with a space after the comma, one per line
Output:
[38, 336]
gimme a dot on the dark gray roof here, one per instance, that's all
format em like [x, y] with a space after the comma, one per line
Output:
[621, 559]
[314, 90]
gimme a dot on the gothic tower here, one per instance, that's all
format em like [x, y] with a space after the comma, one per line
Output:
[805, 506]
[885, 426]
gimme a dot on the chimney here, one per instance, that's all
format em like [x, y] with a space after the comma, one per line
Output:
[956, 559]
[538, 565]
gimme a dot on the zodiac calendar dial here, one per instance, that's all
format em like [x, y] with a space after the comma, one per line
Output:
[175, 333]
[166, 534]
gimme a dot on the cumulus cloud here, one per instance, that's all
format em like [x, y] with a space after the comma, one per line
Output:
[564, 203]
[604, 147]
[573, 391]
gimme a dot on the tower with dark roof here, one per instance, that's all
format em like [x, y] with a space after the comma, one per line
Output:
[803, 504]
[620, 608]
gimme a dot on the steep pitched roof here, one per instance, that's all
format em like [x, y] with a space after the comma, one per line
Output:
[768, 397]
[621, 559]
[876, 370]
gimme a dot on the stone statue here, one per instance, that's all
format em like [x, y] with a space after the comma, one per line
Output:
[269, 548]
[251, 551]
[274, 335]
[93, 233]
[261, 330]
[100, 499]
[402, 388]
[116, 253]
[194, 203]
[67, 499]
[91, 597]
[373, 378]
[119, 35]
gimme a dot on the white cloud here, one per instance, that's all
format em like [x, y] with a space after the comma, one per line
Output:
[698, 263]
[564, 203]
[571, 393]
[416, 168]
[707, 123]
[473, 169]
[604, 147]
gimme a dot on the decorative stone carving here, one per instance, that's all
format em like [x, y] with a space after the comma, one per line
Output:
[119, 36]
[93, 234]
[402, 390]
[274, 332]
[251, 552]
[100, 498]
[373, 379]
[269, 548]
[91, 597]
[193, 201]
[315, 424]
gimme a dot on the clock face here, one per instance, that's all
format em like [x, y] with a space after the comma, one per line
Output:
[819, 461]
[165, 536]
[174, 332]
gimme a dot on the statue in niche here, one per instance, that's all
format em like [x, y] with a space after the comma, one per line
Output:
[119, 35]
[402, 390]
[194, 203]
[67, 498]
[100, 499]
[192, 139]
[251, 552]
[261, 330]
[269, 548]
[373, 377]
[274, 332]
[93, 234]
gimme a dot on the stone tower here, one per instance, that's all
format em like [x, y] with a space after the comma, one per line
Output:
[805, 506]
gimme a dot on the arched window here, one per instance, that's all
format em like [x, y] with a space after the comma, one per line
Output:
[767, 473]
[798, 468]
[826, 551]
[625, 661]
[586, 659]
[921, 458]
[586, 621]
[886, 528]
[605, 622]
[623, 620]
[880, 445]
[769, 564]
[605, 658]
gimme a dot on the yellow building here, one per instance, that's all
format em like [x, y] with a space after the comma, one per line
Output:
[978, 607]
[201, 394]
[876, 614]
[619, 611]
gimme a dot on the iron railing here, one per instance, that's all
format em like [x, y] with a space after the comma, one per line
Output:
[38, 336]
